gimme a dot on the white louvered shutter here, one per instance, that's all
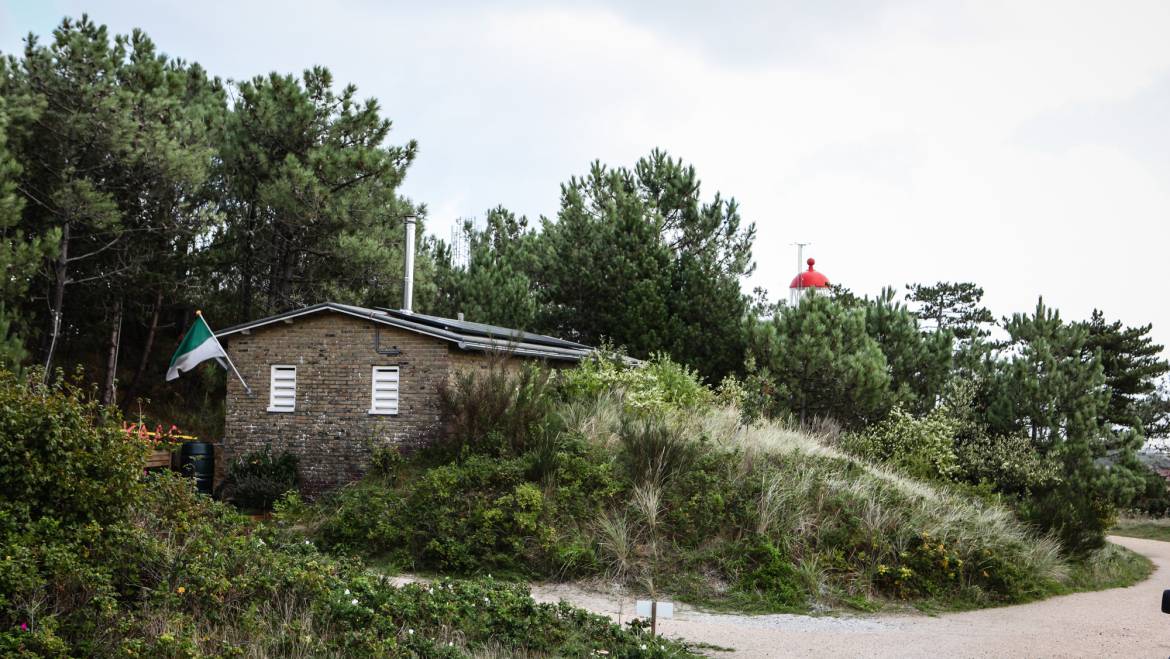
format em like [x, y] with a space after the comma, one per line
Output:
[384, 390]
[282, 390]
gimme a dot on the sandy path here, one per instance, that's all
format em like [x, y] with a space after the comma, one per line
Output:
[1123, 622]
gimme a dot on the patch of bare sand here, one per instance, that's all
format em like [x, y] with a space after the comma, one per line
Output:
[1121, 622]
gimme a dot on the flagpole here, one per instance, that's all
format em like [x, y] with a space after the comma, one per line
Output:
[199, 314]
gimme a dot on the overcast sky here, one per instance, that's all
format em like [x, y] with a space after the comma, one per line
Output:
[1021, 145]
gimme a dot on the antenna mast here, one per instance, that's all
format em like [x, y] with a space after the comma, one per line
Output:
[794, 298]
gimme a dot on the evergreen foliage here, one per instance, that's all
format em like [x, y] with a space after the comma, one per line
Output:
[1132, 364]
[954, 307]
[20, 256]
[496, 285]
[114, 145]
[822, 362]
[1054, 391]
[919, 362]
[309, 198]
[635, 258]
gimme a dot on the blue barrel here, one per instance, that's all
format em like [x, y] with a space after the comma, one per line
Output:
[197, 460]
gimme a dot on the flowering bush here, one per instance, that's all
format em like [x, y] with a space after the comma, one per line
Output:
[159, 437]
[927, 568]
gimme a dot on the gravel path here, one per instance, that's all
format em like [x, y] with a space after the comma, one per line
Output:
[1122, 622]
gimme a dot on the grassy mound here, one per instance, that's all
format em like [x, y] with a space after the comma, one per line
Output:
[695, 504]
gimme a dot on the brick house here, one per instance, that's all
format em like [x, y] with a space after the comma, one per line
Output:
[331, 380]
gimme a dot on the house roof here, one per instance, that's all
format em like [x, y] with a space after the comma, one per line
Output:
[464, 334]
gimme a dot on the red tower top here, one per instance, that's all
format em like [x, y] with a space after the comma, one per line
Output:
[810, 278]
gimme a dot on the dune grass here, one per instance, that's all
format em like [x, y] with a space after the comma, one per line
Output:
[857, 535]
[705, 509]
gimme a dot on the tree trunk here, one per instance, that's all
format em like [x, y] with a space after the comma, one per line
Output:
[60, 279]
[109, 390]
[151, 330]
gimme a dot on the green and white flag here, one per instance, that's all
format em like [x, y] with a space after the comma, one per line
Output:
[197, 346]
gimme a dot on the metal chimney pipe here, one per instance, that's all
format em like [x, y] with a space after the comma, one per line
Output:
[408, 278]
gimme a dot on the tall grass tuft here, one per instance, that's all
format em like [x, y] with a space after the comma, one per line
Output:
[655, 448]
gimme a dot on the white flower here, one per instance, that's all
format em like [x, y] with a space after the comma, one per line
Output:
[643, 646]
[450, 644]
[346, 591]
[354, 601]
[410, 631]
[487, 601]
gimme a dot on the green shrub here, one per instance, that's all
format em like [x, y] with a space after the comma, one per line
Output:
[1154, 497]
[1078, 516]
[478, 515]
[922, 447]
[62, 455]
[927, 568]
[585, 478]
[385, 463]
[655, 386]
[499, 412]
[256, 480]
[475, 516]
[1010, 463]
[766, 572]
[366, 518]
[704, 498]
[185, 576]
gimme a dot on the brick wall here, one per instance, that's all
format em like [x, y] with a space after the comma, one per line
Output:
[331, 428]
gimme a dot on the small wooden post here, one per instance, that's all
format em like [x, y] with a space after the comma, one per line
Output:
[653, 618]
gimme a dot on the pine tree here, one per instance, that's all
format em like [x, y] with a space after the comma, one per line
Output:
[604, 268]
[113, 142]
[1054, 390]
[495, 285]
[953, 307]
[639, 258]
[20, 257]
[919, 362]
[819, 361]
[1132, 363]
[309, 197]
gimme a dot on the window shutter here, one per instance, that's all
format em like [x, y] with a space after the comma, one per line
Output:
[384, 390]
[282, 390]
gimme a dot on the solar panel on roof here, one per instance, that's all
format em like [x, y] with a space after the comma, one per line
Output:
[480, 329]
